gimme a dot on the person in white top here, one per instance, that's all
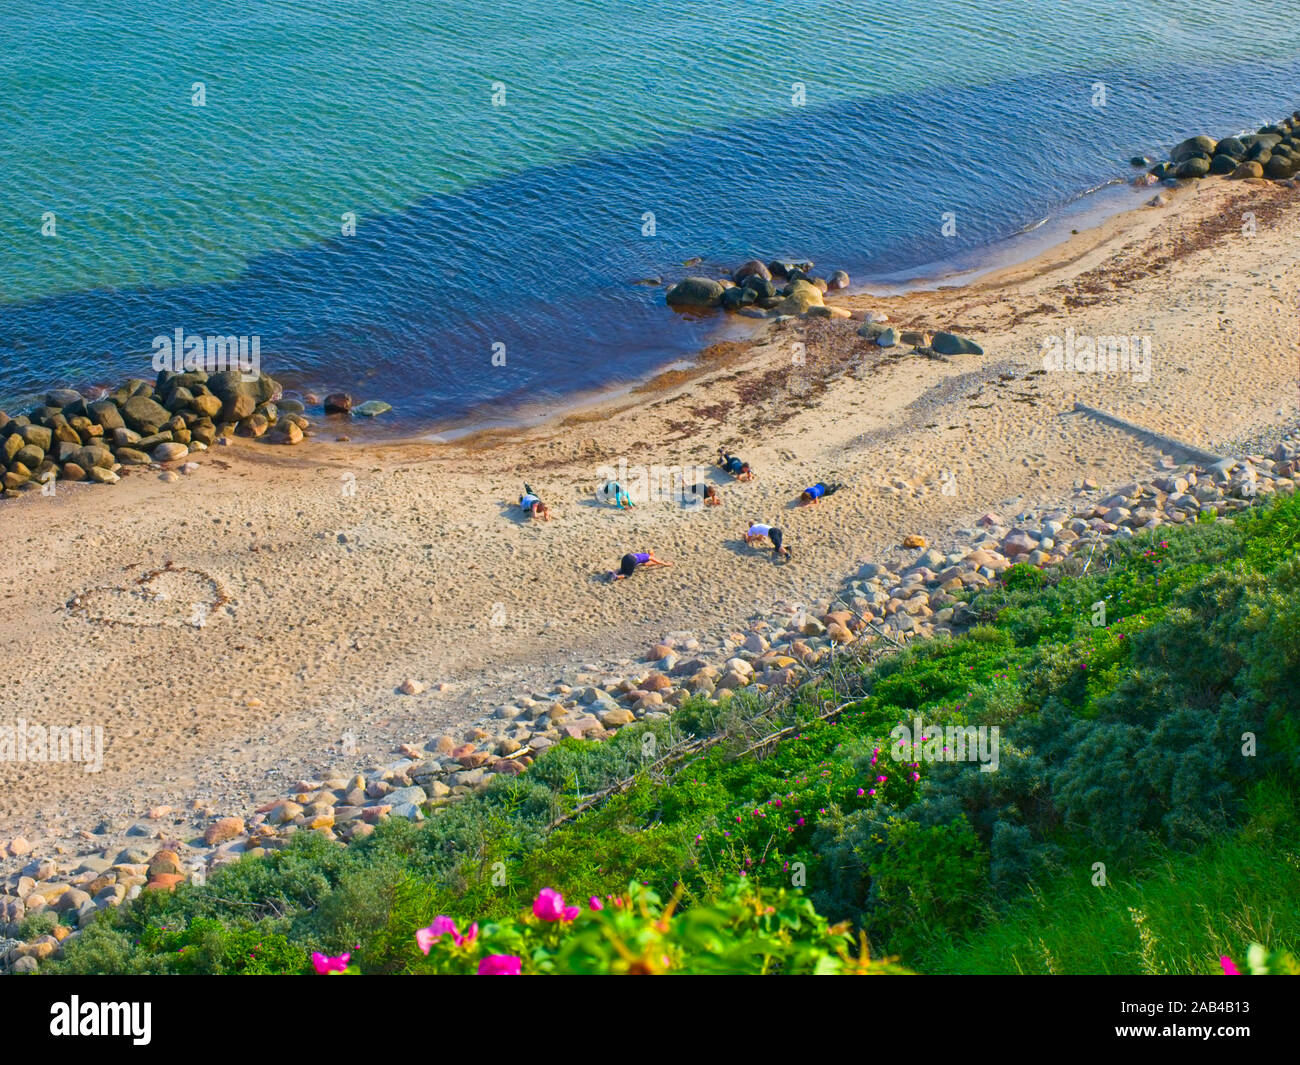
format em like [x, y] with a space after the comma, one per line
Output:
[758, 532]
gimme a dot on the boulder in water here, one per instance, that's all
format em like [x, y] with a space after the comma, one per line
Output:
[800, 296]
[1231, 147]
[695, 292]
[753, 268]
[62, 397]
[738, 296]
[1193, 146]
[1194, 166]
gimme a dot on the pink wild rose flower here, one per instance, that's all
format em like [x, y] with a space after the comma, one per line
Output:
[549, 906]
[325, 965]
[444, 926]
[500, 965]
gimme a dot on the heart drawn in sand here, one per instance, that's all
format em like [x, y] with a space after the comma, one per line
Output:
[174, 596]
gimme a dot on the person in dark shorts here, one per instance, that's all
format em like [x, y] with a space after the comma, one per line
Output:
[531, 503]
[705, 493]
[734, 465]
[817, 492]
[757, 532]
[630, 562]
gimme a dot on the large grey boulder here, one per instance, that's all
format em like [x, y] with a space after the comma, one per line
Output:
[695, 292]
[144, 415]
[952, 344]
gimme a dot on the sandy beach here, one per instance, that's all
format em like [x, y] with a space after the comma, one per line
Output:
[297, 588]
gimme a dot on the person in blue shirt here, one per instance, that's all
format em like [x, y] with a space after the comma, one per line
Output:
[817, 492]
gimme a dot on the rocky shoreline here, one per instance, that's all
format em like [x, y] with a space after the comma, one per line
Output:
[1273, 151]
[73, 437]
[753, 290]
[781, 289]
[878, 604]
[97, 437]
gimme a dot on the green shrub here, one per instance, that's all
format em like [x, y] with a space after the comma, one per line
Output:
[37, 924]
[1022, 577]
[925, 882]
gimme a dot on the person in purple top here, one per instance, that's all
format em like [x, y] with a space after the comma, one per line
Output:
[637, 558]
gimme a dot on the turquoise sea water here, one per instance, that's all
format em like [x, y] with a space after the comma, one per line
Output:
[500, 161]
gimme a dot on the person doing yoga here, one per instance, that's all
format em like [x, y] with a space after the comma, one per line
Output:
[735, 465]
[634, 559]
[530, 502]
[757, 533]
[818, 492]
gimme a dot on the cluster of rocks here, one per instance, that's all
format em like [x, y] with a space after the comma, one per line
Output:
[877, 329]
[342, 403]
[782, 290]
[920, 595]
[921, 599]
[763, 290]
[72, 893]
[1272, 152]
[72, 437]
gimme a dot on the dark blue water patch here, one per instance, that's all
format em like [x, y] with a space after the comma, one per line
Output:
[412, 307]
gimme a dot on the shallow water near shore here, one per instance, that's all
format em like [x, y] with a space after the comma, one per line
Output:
[520, 230]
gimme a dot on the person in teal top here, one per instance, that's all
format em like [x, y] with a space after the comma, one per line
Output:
[613, 490]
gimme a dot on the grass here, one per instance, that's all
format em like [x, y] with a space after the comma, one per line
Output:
[1178, 913]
